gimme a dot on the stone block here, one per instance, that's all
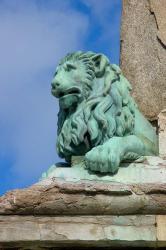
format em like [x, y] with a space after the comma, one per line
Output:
[34, 232]
[139, 189]
[162, 133]
[143, 53]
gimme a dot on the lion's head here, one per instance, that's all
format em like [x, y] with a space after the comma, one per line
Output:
[95, 103]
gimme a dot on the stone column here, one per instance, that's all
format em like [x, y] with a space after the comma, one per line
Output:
[143, 53]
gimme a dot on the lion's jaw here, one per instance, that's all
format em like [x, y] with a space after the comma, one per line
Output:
[70, 98]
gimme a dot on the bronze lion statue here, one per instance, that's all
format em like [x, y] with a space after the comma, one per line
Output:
[98, 118]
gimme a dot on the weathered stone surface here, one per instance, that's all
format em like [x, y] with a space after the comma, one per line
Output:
[143, 52]
[152, 170]
[159, 9]
[162, 133]
[83, 197]
[73, 213]
[98, 231]
[161, 227]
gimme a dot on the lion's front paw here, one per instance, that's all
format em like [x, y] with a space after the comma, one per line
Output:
[104, 159]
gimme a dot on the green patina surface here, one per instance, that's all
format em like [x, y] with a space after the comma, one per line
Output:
[98, 119]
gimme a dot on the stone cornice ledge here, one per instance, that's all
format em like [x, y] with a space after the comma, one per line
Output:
[56, 196]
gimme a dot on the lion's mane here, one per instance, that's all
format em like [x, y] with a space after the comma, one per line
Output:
[111, 113]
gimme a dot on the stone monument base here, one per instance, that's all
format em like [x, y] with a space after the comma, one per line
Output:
[70, 212]
[44, 232]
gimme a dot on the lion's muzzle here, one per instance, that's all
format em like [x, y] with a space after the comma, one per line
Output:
[67, 97]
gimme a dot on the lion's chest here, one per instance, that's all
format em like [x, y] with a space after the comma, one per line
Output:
[73, 137]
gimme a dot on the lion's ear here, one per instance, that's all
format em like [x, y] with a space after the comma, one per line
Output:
[100, 63]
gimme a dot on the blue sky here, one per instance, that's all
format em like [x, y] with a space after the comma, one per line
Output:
[35, 34]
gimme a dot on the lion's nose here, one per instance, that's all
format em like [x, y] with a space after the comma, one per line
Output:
[55, 84]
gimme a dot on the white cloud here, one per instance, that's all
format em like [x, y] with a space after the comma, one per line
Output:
[33, 39]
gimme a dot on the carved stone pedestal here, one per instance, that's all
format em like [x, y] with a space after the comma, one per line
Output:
[67, 213]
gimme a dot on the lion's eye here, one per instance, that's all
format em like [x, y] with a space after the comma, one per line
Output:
[70, 67]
